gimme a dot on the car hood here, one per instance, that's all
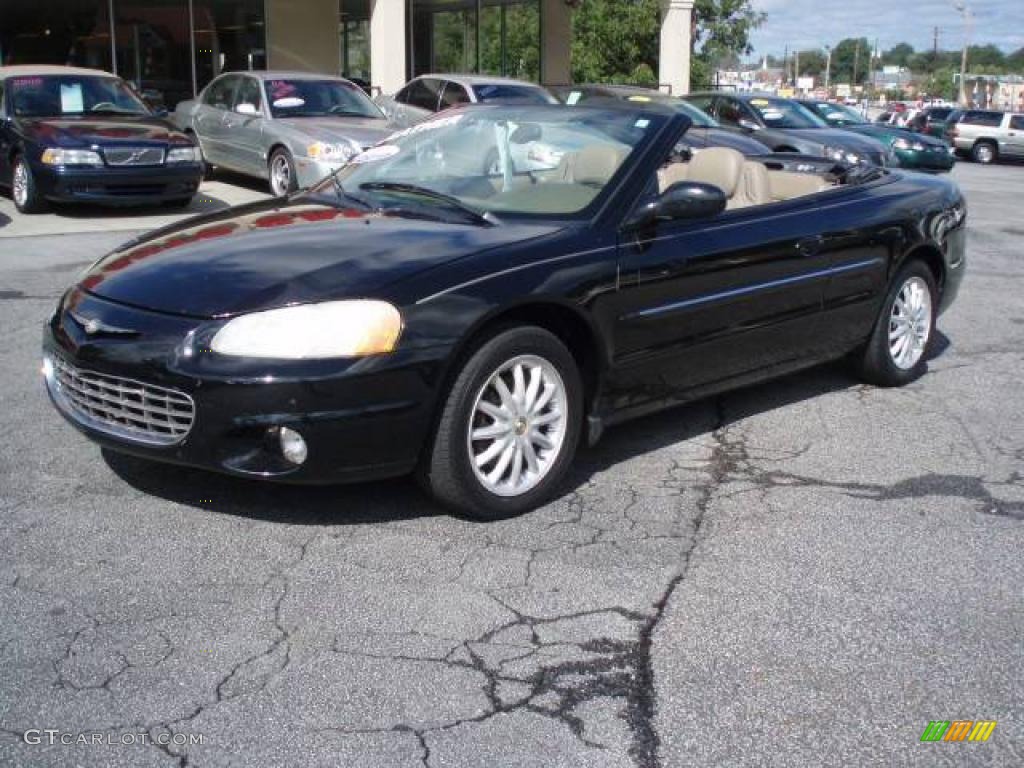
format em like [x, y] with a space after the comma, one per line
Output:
[700, 137]
[274, 253]
[889, 134]
[366, 131]
[104, 130]
[838, 137]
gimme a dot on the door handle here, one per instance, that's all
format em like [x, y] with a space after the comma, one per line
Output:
[810, 246]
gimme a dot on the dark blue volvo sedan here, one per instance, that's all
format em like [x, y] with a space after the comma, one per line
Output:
[82, 135]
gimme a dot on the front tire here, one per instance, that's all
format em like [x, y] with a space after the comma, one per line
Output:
[282, 173]
[984, 152]
[23, 188]
[897, 352]
[509, 428]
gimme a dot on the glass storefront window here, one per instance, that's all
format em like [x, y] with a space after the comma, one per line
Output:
[445, 35]
[354, 30]
[68, 32]
[510, 40]
[153, 40]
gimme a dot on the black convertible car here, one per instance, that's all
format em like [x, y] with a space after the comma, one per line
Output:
[422, 310]
[82, 135]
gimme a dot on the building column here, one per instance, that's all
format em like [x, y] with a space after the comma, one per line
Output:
[388, 47]
[303, 38]
[555, 42]
[676, 37]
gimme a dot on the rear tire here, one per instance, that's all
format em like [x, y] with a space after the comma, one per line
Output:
[23, 188]
[897, 352]
[984, 152]
[503, 447]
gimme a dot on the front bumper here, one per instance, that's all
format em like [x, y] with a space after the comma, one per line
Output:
[118, 186]
[308, 171]
[361, 419]
[930, 160]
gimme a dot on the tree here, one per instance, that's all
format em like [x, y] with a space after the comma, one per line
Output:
[812, 62]
[1015, 61]
[898, 55]
[617, 40]
[848, 55]
[987, 57]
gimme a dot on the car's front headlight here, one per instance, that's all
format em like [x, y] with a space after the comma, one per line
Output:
[351, 328]
[340, 153]
[184, 155]
[907, 144]
[71, 157]
[841, 155]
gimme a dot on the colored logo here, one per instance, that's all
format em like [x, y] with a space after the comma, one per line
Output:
[958, 730]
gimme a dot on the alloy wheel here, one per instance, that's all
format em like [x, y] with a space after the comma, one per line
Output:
[280, 175]
[20, 184]
[517, 427]
[910, 323]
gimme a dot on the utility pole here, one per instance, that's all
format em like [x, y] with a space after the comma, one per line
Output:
[796, 67]
[828, 69]
[935, 47]
[856, 64]
[968, 24]
[785, 66]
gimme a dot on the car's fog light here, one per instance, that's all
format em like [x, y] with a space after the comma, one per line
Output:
[293, 447]
[47, 369]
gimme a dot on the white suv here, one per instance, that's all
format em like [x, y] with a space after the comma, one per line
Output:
[987, 135]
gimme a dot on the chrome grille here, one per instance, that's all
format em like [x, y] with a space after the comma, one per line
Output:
[134, 155]
[122, 407]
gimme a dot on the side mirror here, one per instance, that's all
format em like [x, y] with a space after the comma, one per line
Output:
[160, 111]
[748, 125]
[682, 200]
[525, 133]
[246, 109]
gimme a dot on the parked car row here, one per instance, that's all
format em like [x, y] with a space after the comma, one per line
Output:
[983, 135]
[84, 135]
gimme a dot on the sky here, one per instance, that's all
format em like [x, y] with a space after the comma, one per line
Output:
[804, 24]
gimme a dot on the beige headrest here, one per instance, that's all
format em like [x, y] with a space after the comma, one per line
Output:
[596, 164]
[720, 166]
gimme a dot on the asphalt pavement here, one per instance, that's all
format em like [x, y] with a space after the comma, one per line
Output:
[803, 573]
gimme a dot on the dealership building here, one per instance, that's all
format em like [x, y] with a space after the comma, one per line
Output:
[171, 48]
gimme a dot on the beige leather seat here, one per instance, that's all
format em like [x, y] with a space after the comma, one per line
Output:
[753, 188]
[743, 182]
[595, 164]
[785, 185]
[672, 174]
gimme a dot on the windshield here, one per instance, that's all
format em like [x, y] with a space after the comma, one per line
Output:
[318, 98]
[839, 113]
[531, 161]
[503, 92]
[780, 113]
[699, 118]
[59, 95]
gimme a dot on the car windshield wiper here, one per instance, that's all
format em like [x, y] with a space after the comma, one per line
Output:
[441, 197]
[114, 111]
[344, 194]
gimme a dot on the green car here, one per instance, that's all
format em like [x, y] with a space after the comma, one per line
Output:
[914, 150]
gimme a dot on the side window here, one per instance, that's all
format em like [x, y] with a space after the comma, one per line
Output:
[453, 95]
[402, 97]
[702, 102]
[1017, 123]
[219, 93]
[249, 93]
[423, 93]
[729, 112]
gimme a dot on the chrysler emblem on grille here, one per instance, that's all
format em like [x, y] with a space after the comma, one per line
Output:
[92, 326]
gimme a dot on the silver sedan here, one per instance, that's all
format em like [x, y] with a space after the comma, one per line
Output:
[290, 128]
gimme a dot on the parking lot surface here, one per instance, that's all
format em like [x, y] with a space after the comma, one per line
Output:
[802, 573]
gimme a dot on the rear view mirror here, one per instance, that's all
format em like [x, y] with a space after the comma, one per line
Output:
[246, 109]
